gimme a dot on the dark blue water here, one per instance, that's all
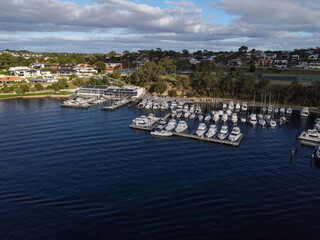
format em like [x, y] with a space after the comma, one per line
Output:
[84, 174]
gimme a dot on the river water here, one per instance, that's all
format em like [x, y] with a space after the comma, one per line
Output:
[84, 174]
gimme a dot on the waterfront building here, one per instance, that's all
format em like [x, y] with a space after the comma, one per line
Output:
[111, 91]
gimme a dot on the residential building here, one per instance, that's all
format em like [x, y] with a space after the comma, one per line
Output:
[111, 91]
[314, 65]
[235, 62]
[295, 58]
[265, 62]
[66, 72]
[278, 63]
[313, 57]
[18, 71]
[10, 79]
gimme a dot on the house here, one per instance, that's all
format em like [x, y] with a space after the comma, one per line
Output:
[235, 62]
[271, 55]
[194, 61]
[44, 80]
[295, 58]
[279, 63]
[18, 71]
[265, 62]
[66, 72]
[37, 73]
[313, 57]
[299, 65]
[10, 79]
[314, 65]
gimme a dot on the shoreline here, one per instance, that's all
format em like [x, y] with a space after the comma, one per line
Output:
[37, 96]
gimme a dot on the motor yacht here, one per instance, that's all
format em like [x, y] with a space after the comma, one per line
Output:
[234, 118]
[172, 124]
[317, 152]
[212, 131]
[224, 106]
[161, 133]
[237, 107]
[282, 111]
[289, 111]
[186, 108]
[229, 112]
[179, 115]
[272, 123]
[181, 127]
[224, 117]
[244, 107]
[262, 122]
[267, 116]
[186, 115]
[223, 134]
[235, 134]
[207, 117]
[200, 117]
[179, 108]
[304, 112]
[201, 129]
[192, 109]
[192, 116]
[220, 113]
[243, 119]
[231, 105]
[253, 119]
[216, 117]
[282, 121]
[311, 135]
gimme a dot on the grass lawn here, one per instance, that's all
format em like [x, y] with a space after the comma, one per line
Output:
[34, 94]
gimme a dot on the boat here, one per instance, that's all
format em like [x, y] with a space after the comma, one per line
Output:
[207, 117]
[186, 115]
[231, 105]
[260, 116]
[262, 122]
[181, 127]
[172, 124]
[223, 133]
[224, 117]
[237, 107]
[162, 123]
[267, 116]
[179, 115]
[234, 118]
[304, 112]
[220, 112]
[317, 152]
[212, 131]
[173, 105]
[244, 107]
[200, 117]
[179, 108]
[282, 121]
[192, 109]
[289, 111]
[201, 129]
[311, 135]
[216, 117]
[198, 109]
[161, 133]
[282, 111]
[235, 134]
[192, 116]
[224, 106]
[173, 113]
[229, 112]
[253, 119]
[243, 119]
[272, 123]
[186, 108]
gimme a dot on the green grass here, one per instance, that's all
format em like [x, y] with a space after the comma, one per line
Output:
[33, 94]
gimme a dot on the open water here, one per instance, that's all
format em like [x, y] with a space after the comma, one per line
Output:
[84, 174]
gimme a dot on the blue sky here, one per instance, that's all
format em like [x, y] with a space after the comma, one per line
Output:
[105, 25]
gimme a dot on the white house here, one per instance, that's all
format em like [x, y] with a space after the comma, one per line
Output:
[280, 63]
[18, 71]
[314, 65]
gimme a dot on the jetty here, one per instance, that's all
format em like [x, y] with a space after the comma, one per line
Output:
[214, 140]
[78, 106]
[115, 105]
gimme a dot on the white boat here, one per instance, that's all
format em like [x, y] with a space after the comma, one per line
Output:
[224, 117]
[231, 105]
[289, 111]
[273, 123]
[181, 127]
[282, 121]
[171, 125]
[179, 115]
[212, 131]
[276, 110]
[317, 152]
[192, 116]
[270, 109]
[253, 119]
[237, 107]
[173, 105]
[200, 117]
[186, 108]
[244, 107]
[220, 113]
[186, 115]
[179, 108]
[262, 122]
[311, 135]
[224, 106]
[216, 117]
[235, 134]
[192, 109]
[229, 112]
[161, 133]
[234, 118]
[173, 113]
[267, 116]
[243, 119]
[260, 116]
[304, 112]
[282, 111]
[223, 134]
[201, 129]
[198, 109]
[207, 117]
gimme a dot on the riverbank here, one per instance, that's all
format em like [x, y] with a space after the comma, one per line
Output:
[36, 95]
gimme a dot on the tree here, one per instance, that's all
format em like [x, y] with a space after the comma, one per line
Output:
[167, 65]
[160, 87]
[117, 72]
[172, 93]
[101, 66]
[38, 87]
[243, 49]
[252, 68]
[111, 54]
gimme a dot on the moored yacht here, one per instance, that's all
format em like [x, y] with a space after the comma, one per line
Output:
[262, 122]
[231, 105]
[200, 117]
[253, 119]
[224, 117]
[244, 107]
[272, 123]
[317, 152]
[223, 133]
[237, 107]
[216, 117]
[304, 112]
[181, 127]
[235, 134]
[289, 111]
[161, 133]
[234, 118]
[201, 129]
[243, 119]
[207, 117]
[311, 135]
[212, 131]
[192, 116]
[171, 125]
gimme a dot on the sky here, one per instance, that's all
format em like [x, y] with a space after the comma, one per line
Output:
[100, 26]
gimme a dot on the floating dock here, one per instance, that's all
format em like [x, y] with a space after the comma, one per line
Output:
[214, 140]
[114, 107]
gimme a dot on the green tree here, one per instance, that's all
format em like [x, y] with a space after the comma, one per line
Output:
[252, 68]
[111, 54]
[101, 66]
[243, 49]
[167, 65]
[160, 87]
[172, 93]
[38, 87]
[117, 72]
